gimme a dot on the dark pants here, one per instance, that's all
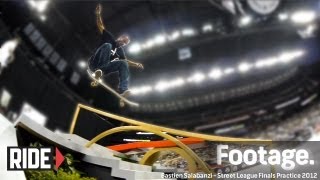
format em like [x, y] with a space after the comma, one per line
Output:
[101, 60]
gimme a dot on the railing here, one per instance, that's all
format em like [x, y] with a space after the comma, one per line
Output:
[164, 132]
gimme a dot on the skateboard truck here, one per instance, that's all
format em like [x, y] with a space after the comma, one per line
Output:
[97, 75]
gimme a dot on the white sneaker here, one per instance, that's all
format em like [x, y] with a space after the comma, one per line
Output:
[97, 74]
[126, 93]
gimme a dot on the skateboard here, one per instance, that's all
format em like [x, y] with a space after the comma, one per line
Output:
[95, 82]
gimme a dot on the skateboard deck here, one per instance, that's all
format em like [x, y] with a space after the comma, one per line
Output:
[122, 99]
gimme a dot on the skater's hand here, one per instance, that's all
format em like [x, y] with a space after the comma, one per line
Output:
[98, 9]
[139, 65]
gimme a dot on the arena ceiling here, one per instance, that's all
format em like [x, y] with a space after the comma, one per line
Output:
[71, 24]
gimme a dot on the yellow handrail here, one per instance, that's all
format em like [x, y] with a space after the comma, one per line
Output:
[165, 129]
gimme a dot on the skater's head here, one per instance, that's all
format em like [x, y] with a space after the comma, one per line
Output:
[123, 40]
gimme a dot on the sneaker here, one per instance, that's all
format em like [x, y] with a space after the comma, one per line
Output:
[97, 74]
[125, 93]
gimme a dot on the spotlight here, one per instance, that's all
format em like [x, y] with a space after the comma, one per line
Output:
[260, 64]
[298, 53]
[177, 82]
[7, 51]
[161, 86]
[141, 90]
[40, 6]
[303, 17]
[160, 39]
[270, 61]
[135, 48]
[207, 28]
[283, 16]
[215, 74]
[82, 64]
[188, 32]
[175, 35]
[244, 67]
[149, 43]
[289, 56]
[197, 77]
[245, 20]
[229, 71]
[308, 31]
[43, 17]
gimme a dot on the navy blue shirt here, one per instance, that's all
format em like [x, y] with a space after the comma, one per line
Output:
[107, 37]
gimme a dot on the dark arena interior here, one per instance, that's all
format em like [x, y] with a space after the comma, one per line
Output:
[204, 72]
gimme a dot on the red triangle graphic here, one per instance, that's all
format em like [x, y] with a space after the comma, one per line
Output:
[59, 158]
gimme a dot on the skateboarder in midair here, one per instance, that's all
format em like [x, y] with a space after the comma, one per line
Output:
[110, 57]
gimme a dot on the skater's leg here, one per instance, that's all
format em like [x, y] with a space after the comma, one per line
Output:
[101, 57]
[122, 67]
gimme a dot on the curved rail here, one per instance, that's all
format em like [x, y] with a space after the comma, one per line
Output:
[202, 164]
[164, 132]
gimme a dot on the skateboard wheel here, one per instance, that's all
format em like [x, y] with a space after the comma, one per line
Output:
[122, 104]
[94, 84]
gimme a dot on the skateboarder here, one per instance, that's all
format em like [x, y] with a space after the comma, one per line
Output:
[110, 56]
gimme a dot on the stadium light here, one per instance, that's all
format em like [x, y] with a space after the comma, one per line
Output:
[197, 77]
[161, 86]
[177, 82]
[150, 43]
[215, 74]
[229, 71]
[260, 64]
[310, 29]
[271, 61]
[188, 32]
[207, 28]
[164, 85]
[141, 90]
[283, 16]
[245, 20]
[7, 51]
[82, 64]
[40, 6]
[303, 17]
[298, 53]
[43, 17]
[160, 39]
[244, 67]
[286, 57]
[175, 35]
[308, 32]
[135, 48]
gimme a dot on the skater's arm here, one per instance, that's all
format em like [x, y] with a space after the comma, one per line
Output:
[122, 55]
[99, 20]
[135, 64]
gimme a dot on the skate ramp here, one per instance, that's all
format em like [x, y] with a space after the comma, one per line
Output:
[8, 137]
